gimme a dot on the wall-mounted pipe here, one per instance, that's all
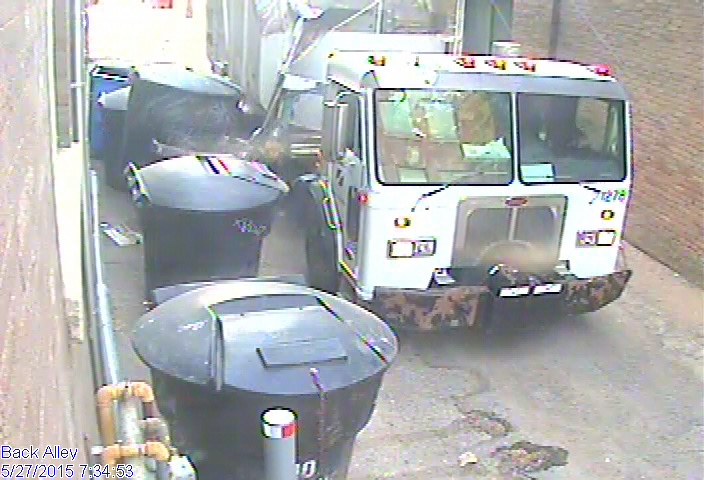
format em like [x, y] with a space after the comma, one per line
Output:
[155, 429]
[554, 28]
[111, 454]
[106, 417]
[130, 432]
[105, 333]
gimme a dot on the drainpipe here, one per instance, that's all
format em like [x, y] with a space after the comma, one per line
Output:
[379, 17]
[554, 28]
[51, 75]
[79, 75]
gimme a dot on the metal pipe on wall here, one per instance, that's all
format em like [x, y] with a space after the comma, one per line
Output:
[130, 432]
[109, 359]
[87, 214]
[554, 27]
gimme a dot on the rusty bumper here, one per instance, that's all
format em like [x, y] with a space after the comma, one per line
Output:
[589, 295]
[432, 309]
[463, 306]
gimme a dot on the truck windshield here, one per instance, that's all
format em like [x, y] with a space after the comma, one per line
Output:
[565, 139]
[443, 137]
[397, 16]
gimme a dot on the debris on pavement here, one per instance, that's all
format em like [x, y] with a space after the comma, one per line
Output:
[468, 458]
[488, 423]
[526, 457]
[121, 235]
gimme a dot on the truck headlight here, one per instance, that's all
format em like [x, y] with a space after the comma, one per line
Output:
[411, 248]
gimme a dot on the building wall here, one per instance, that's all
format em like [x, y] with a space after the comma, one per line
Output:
[35, 382]
[656, 49]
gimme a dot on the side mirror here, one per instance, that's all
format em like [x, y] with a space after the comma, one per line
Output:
[340, 141]
[244, 105]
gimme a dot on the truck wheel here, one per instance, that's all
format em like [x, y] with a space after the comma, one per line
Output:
[320, 261]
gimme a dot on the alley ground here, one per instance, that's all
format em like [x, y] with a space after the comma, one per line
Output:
[620, 390]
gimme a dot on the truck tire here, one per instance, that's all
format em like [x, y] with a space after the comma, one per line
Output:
[321, 264]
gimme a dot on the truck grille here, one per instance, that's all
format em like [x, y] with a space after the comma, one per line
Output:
[526, 237]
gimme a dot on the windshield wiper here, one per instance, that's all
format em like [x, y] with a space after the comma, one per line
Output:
[429, 194]
[444, 187]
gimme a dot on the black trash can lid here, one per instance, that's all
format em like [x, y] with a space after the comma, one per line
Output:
[112, 66]
[183, 78]
[264, 337]
[116, 100]
[217, 183]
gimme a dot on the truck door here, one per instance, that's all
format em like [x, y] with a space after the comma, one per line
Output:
[347, 174]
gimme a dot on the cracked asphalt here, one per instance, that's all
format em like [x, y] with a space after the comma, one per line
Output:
[621, 390]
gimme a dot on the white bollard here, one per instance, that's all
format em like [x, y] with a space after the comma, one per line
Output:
[279, 429]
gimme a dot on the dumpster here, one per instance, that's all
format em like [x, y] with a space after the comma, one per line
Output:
[104, 78]
[162, 294]
[182, 108]
[114, 108]
[203, 218]
[223, 354]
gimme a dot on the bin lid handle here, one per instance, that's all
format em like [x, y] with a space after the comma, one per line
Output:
[135, 182]
[376, 350]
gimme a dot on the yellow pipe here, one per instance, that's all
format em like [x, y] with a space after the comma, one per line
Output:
[138, 389]
[155, 450]
[105, 397]
[109, 393]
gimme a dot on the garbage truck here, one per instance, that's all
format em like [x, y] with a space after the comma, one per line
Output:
[277, 52]
[450, 186]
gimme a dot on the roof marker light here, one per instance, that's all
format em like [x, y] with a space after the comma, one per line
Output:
[466, 62]
[499, 63]
[600, 69]
[528, 66]
[379, 62]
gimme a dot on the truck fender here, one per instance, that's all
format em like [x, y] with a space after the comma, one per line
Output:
[314, 216]
[310, 204]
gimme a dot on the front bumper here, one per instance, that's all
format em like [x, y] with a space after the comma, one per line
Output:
[440, 308]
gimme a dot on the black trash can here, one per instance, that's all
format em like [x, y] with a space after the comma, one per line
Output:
[203, 218]
[105, 77]
[182, 108]
[114, 108]
[223, 354]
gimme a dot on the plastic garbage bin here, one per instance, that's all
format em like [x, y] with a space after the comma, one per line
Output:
[179, 107]
[203, 218]
[223, 354]
[160, 295]
[114, 105]
[104, 78]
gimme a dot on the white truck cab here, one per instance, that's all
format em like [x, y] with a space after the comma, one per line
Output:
[447, 184]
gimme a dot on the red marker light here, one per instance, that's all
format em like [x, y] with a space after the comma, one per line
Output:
[516, 202]
[528, 66]
[363, 198]
[466, 62]
[601, 69]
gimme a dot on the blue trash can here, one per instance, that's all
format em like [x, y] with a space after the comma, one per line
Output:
[103, 79]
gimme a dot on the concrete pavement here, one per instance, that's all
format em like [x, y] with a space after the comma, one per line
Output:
[612, 395]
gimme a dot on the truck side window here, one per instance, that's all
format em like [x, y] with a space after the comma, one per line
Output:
[353, 139]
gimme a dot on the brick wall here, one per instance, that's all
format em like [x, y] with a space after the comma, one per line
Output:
[655, 48]
[35, 388]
